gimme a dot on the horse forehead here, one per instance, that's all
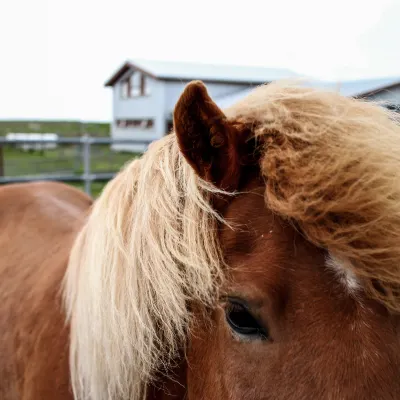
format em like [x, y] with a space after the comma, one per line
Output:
[254, 225]
[258, 240]
[264, 252]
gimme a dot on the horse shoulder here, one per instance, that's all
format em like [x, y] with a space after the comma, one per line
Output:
[38, 224]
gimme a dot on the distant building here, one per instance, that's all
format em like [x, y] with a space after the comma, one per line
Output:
[145, 92]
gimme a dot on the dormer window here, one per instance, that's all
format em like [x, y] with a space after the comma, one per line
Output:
[135, 85]
[145, 86]
[125, 88]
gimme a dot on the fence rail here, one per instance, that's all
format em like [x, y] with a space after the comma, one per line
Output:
[75, 140]
[86, 144]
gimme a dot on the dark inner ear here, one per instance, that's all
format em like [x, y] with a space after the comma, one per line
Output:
[215, 147]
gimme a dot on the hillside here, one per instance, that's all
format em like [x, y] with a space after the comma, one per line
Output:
[62, 128]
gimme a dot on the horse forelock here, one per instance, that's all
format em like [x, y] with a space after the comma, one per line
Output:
[148, 248]
[331, 166]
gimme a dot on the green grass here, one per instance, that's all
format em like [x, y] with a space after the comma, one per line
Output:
[64, 160]
[62, 128]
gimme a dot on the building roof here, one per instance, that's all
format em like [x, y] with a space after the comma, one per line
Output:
[353, 88]
[360, 87]
[230, 99]
[171, 70]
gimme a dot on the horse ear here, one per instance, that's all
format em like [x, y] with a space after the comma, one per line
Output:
[208, 141]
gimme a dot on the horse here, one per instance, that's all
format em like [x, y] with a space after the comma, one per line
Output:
[254, 253]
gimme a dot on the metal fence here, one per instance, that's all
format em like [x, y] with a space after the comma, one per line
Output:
[74, 159]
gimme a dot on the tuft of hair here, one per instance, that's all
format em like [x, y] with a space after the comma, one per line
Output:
[332, 166]
[148, 248]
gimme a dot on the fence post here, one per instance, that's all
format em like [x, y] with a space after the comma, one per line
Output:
[86, 163]
[1, 160]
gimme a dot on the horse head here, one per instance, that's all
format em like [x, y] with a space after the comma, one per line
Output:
[252, 254]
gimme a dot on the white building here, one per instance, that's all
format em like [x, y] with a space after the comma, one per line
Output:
[145, 93]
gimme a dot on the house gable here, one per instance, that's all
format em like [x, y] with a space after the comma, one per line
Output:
[123, 71]
[210, 73]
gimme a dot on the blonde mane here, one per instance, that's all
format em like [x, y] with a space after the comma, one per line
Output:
[148, 248]
[331, 166]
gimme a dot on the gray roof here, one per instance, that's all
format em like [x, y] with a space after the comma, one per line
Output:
[358, 87]
[207, 72]
[353, 88]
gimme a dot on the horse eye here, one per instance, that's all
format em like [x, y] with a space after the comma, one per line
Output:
[243, 323]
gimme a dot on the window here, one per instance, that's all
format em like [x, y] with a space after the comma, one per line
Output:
[125, 88]
[146, 86]
[135, 85]
[170, 127]
[135, 123]
[393, 107]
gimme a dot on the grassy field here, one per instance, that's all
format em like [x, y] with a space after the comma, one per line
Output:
[64, 160]
[62, 128]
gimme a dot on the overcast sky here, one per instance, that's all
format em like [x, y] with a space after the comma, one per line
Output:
[57, 54]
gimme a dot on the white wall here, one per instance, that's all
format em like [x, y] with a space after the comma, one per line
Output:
[158, 106]
[143, 107]
[132, 133]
